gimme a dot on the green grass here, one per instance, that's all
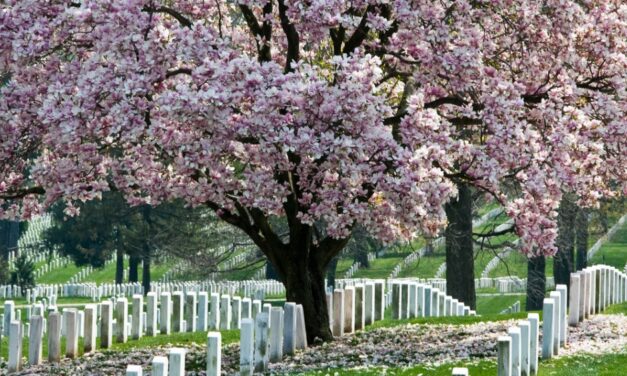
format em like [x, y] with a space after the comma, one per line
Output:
[495, 304]
[424, 267]
[381, 267]
[614, 252]
[515, 264]
[388, 322]
[616, 309]
[342, 266]
[59, 275]
[580, 365]
[174, 339]
[482, 258]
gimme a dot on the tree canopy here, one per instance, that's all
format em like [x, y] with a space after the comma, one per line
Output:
[326, 112]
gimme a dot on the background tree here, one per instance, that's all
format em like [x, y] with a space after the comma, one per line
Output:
[110, 226]
[338, 113]
[23, 273]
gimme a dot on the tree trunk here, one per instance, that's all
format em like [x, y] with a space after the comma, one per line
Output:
[146, 273]
[536, 282]
[460, 272]
[304, 284]
[133, 268]
[331, 271]
[563, 261]
[581, 230]
[119, 266]
[361, 256]
[271, 272]
[9, 235]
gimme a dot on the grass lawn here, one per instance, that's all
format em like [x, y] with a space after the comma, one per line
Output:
[580, 365]
[342, 266]
[380, 267]
[424, 267]
[174, 339]
[59, 275]
[388, 322]
[515, 264]
[614, 252]
[495, 304]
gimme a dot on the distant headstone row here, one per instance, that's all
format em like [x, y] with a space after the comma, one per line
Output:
[591, 291]
[99, 291]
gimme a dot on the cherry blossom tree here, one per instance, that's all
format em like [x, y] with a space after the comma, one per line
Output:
[326, 113]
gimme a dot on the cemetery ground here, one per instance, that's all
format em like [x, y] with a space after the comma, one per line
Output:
[418, 346]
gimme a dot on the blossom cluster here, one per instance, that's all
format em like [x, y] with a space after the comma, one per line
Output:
[362, 111]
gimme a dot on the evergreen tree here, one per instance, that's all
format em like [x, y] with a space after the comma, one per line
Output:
[23, 274]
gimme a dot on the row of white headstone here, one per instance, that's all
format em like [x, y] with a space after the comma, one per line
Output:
[594, 288]
[265, 339]
[413, 299]
[591, 291]
[514, 308]
[174, 364]
[518, 351]
[164, 314]
[99, 291]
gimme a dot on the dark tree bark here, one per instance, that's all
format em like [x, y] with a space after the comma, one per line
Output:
[9, 235]
[304, 282]
[271, 272]
[536, 282]
[581, 234]
[331, 271]
[119, 265]
[300, 260]
[460, 273]
[361, 256]
[146, 272]
[133, 268]
[564, 260]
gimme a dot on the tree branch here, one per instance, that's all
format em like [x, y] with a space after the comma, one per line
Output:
[360, 33]
[171, 12]
[293, 49]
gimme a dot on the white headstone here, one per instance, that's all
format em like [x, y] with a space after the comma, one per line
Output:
[106, 324]
[514, 334]
[165, 312]
[225, 312]
[151, 314]
[214, 354]
[134, 370]
[525, 339]
[137, 323]
[548, 330]
[276, 334]
[191, 302]
[177, 362]
[262, 338]
[89, 343]
[121, 318]
[177, 311]
[159, 366]
[54, 337]
[247, 340]
[71, 333]
[35, 339]
[289, 328]
[15, 346]
[203, 311]
[504, 362]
